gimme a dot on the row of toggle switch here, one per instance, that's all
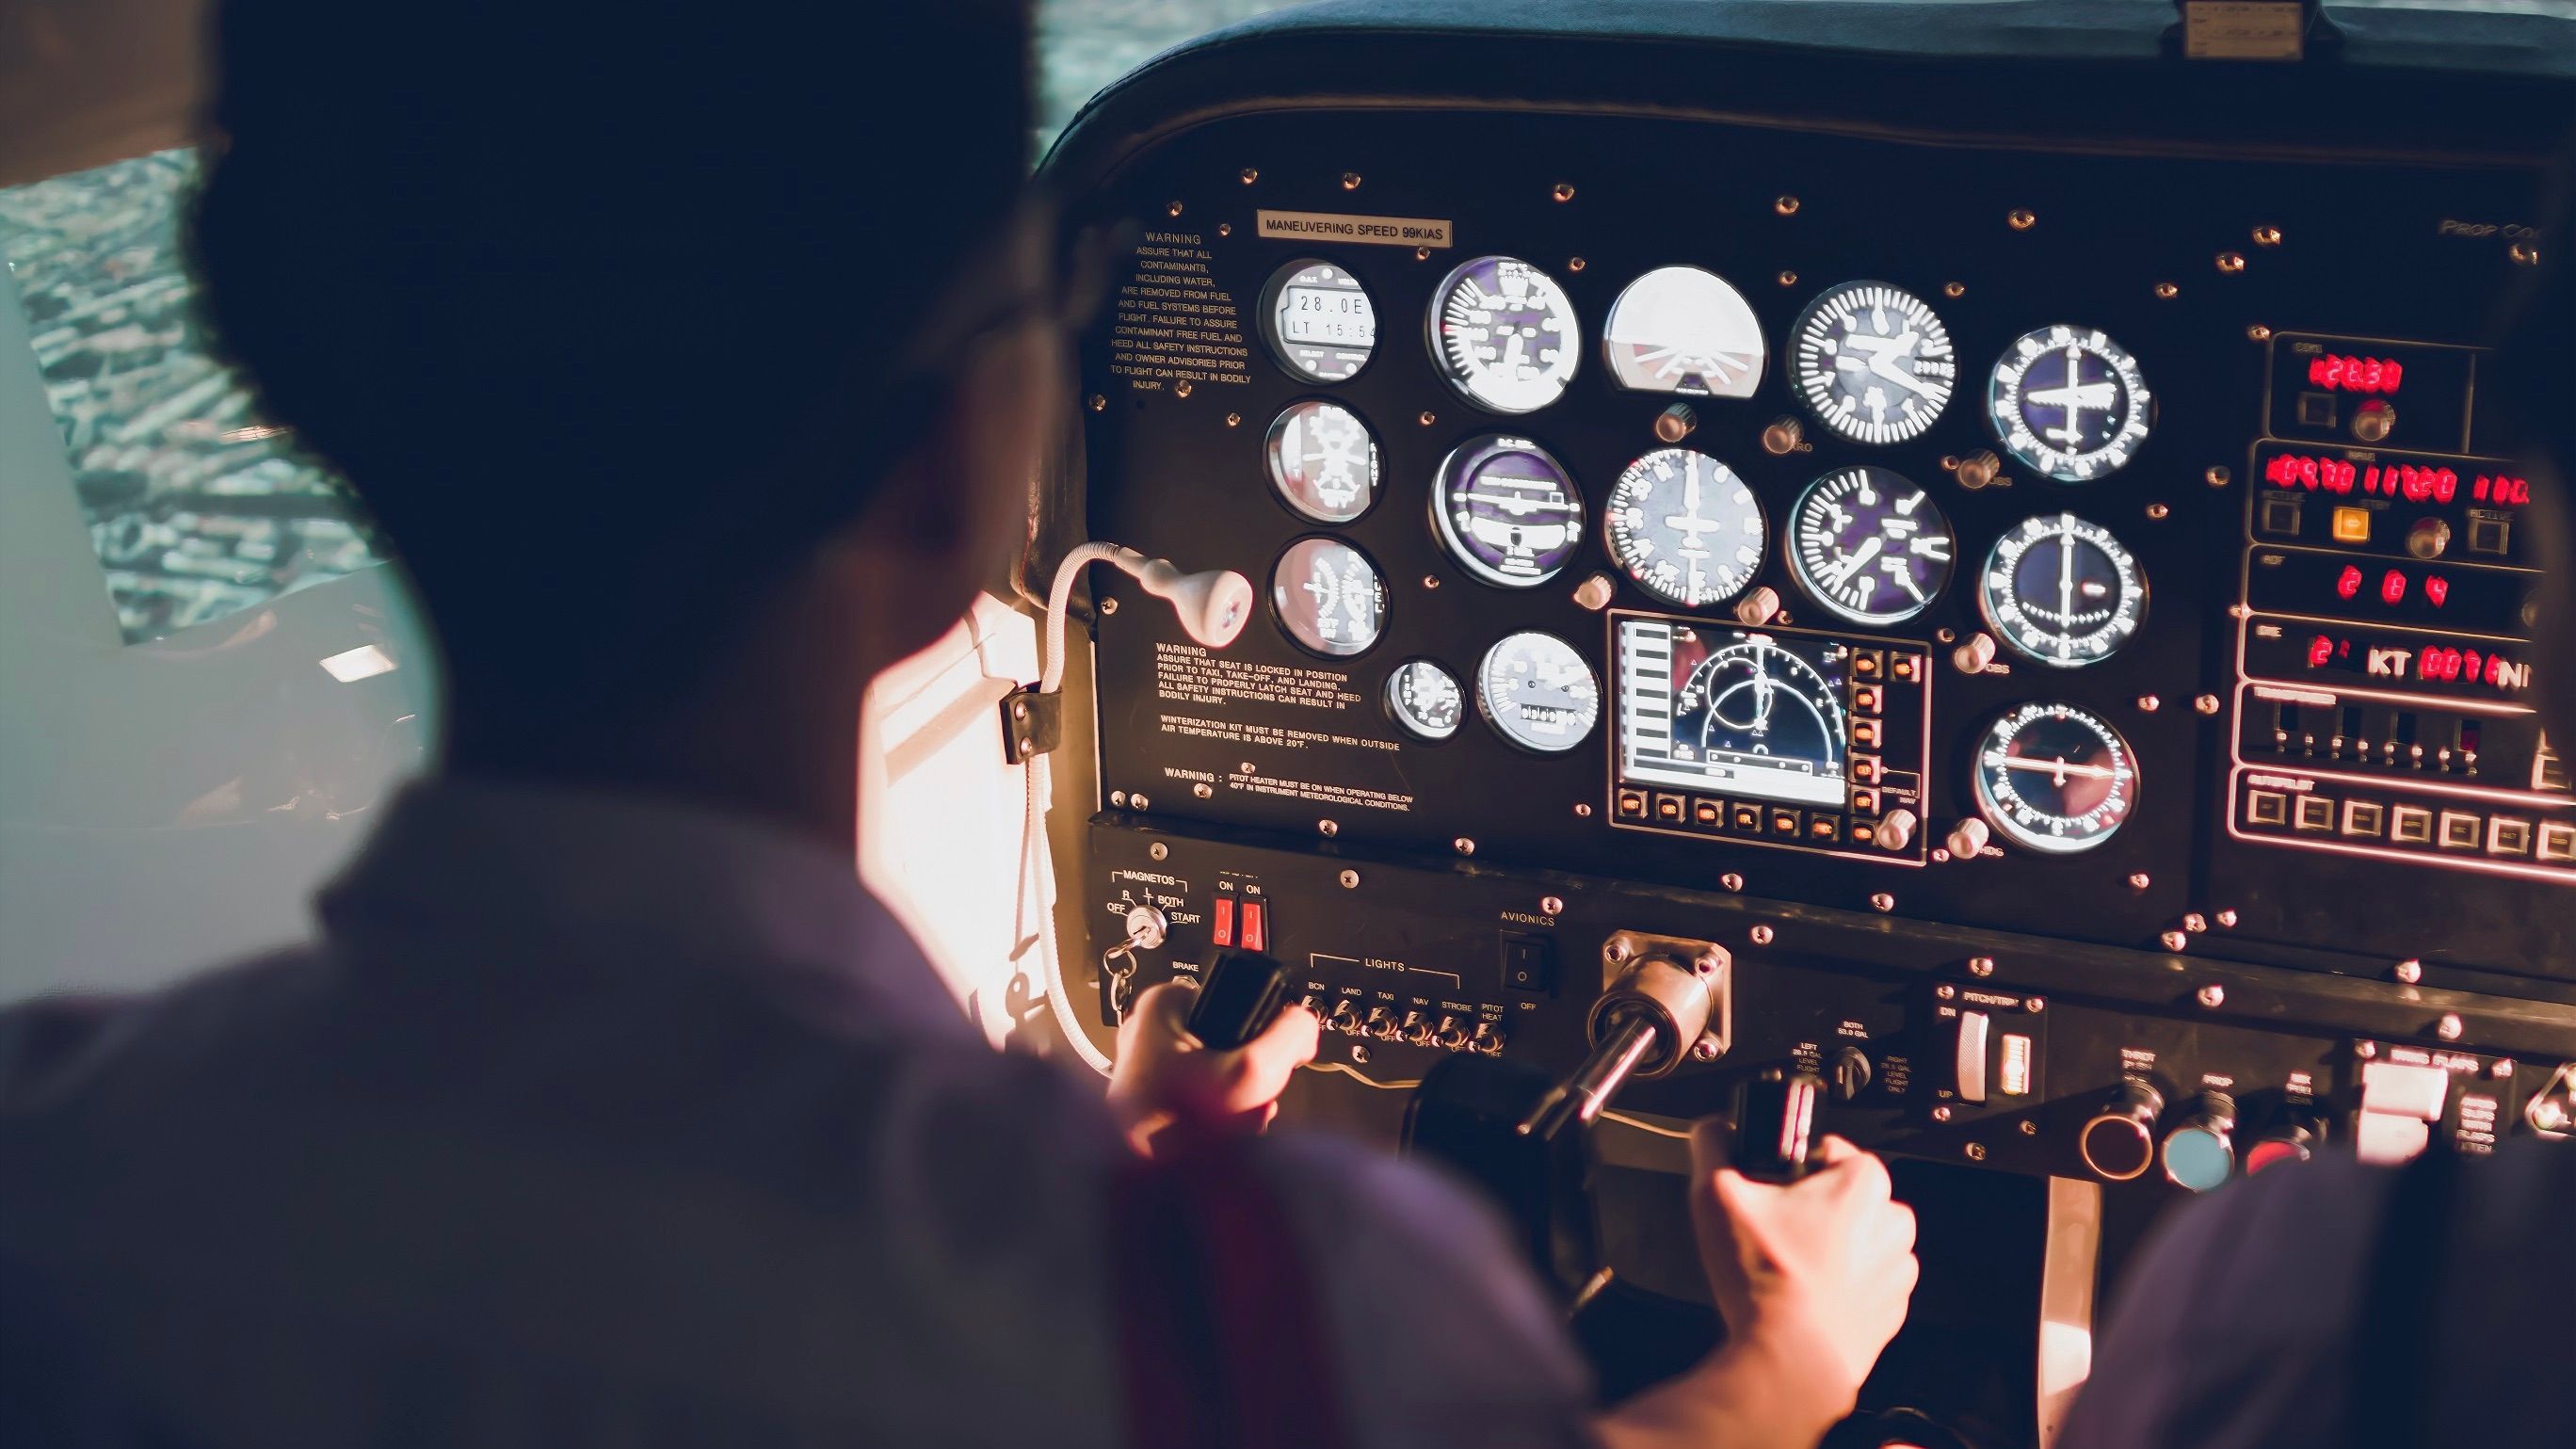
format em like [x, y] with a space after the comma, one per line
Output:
[1450, 1033]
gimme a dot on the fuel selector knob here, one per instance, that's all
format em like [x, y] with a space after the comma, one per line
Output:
[1967, 839]
[1896, 829]
[2200, 1152]
[1849, 1073]
[2120, 1142]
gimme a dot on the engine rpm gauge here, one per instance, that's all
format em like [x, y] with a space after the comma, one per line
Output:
[1318, 321]
[1505, 335]
[1425, 699]
[1506, 511]
[1329, 597]
[2055, 778]
[2062, 591]
[1537, 692]
[2069, 403]
[1684, 527]
[1874, 362]
[1869, 545]
[1681, 329]
[1323, 461]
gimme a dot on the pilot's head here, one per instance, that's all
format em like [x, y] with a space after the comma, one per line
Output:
[676, 349]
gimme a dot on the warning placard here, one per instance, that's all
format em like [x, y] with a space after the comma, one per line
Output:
[1331, 226]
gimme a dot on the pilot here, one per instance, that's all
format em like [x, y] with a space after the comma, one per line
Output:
[694, 361]
[2334, 1305]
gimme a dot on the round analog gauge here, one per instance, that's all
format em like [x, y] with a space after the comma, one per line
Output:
[1538, 693]
[1680, 329]
[1869, 545]
[1874, 362]
[1318, 321]
[1506, 511]
[2055, 778]
[2062, 591]
[2069, 403]
[1685, 528]
[1505, 335]
[1329, 597]
[1425, 699]
[1323, 462]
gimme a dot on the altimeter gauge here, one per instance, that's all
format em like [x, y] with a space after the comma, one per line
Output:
[1504, 334]
[2069, 403]
[2055, 778]
[1869, 545]
[1685, 528]
[1873, 362]
[1538, 693]
[2062, 590]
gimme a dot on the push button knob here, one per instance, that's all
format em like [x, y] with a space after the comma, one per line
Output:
[2120, 1142]
[2200, 1152]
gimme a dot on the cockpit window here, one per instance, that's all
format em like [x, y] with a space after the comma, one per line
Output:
[198, 508]
[1083, 45]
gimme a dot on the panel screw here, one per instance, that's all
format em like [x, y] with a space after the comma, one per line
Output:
[2167, 291]
[1234, 420]
[1946, 634]
[1981, 965]
[1359, 1053]
[2149, 704]
[1422, 254]
[1203, 789]
[1551, 905]
[2021, 219]
[1159, 851]
[1428, 418]
[1705, 1049]
[2259, 333]
[2501, 1070]
[1431, 581]
[2174, 940]
[1786, 206]
[1225, 228]
[1172, 208]
[2409, 972]
[1108, 607]
[2267, 236]
[1762, 935]
[1706, 965]
[1976, 1152]
[1731, 881]
[1350, 880]
[1118, 798]
[1574, 264]
[2218, 477]
[1615, 950]
[1788, 279]
[2365, 1050]
[1940, 1114]
[1099, 404]
[1881, 901]
[2205, 703]
[1327, 828]
[1463, 846]
[1181, 388]
[1954, 289]
[1139, 801]
[2158, 510]
[2230, 263]
[1247, 175]
[1945, 991]
[2029, 1128]
[1350, 181]
[1246, 769]
[1582, 810]
[2035, 1005]
[2449, 1027]
[2195, 923]
[2227, 917]
[1562, 191]
[2213, 995]
[2139, 881]
[2524, 254]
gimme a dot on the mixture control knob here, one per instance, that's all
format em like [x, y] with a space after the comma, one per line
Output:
[2428, 538]
[1974, 653]
[2294, 1141]
[1896, 829]
[2374, 420]
[1967, 839]
[1849, 1074]
[2120, 1142]
[2200, 1152]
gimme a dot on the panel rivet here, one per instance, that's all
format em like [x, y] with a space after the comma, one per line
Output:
[1786, 206]
[2230, 263]
[1159, 851]
[1976, 1152]
[1954, 289]
[2021, 219]
[1731, 881]
[1881, 901]
[2259, 333]
[2195, 923]
[2213, 995]
[1551, 905]
[1463, 846]
[2409, 972]
[2149, 704]
[1981, 965]
[1940, 1114]
[1427, 418]
[2174, 940]
[2140, 881]
[1234, 420]
[1574, 264]
[1327, 828]
[1108, 606]
[1171, 208]
[1350, 880]
[1788, 279]
[1350, 181]
[1422, 254]
[2159, 510]
[2267, 236]
[2167, 291]
[1705, 1049]
[2205, 703]
[1582, 810]
[1118, 798]
[1762, 935]
[2449, 1027]
[1247, 175]
[1562, 191]
[2227, 917]
[1099, 404]
[2218, 477]
[1203, 789]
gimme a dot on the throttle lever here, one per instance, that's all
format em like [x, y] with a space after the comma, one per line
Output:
[1775, 1125]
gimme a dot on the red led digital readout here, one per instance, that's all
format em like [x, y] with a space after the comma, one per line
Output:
[2392, 586]
[2337, 373]
[2413, 482]
[2430, 663]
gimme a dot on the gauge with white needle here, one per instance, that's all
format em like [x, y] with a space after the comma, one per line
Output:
[1504, 334]
[1684, 527]
[1869, 545]
[2070, 403]
[1873, 362]
[2062, 590]
[1538, 693]
[2055, 778]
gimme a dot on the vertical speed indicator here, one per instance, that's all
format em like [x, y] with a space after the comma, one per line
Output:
[1874, 362]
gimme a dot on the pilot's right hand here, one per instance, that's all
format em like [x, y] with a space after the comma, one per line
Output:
[1165, 1079]
[1815, 1274]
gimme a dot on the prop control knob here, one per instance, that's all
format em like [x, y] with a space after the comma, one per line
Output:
[1896, 829]
[1967, 839]
[2120, 1142]
[2200, 1153]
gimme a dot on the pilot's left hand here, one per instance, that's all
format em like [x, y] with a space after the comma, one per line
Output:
[1168, 1085]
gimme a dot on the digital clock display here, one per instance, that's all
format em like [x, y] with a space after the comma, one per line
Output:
[2341, 372]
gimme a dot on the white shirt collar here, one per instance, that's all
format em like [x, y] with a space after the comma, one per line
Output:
[517, 875]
